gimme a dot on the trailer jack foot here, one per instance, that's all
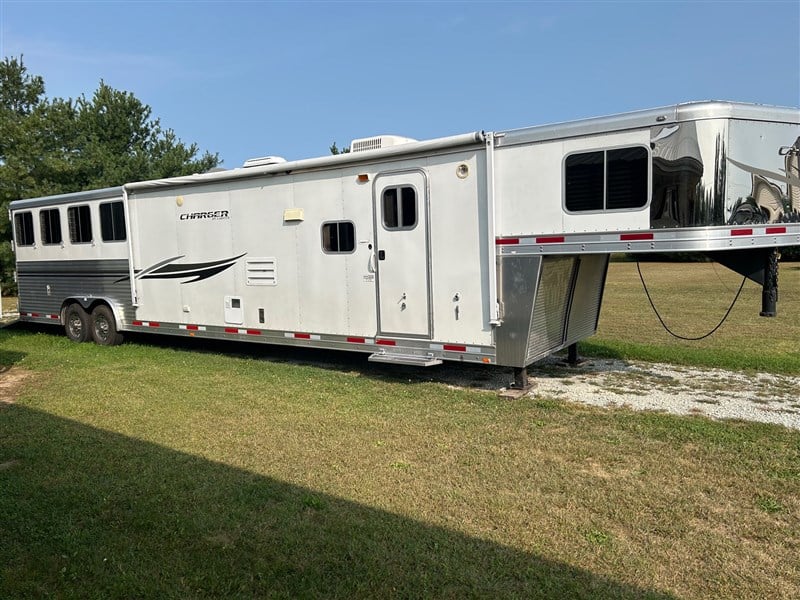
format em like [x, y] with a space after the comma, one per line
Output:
[521, 385]
[573, 360]
[769, 290]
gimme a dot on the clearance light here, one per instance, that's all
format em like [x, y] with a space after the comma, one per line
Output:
[363, 178]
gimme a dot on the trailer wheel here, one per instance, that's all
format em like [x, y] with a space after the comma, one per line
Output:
[76, 323]
[104, 328]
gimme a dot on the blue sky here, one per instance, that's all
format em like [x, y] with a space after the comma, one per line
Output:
[248, 79]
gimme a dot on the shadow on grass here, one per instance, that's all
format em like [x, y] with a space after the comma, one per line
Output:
[90, 513]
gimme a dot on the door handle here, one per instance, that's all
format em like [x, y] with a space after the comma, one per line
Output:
[381, 255]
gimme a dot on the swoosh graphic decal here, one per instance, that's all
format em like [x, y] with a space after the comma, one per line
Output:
[166, 269]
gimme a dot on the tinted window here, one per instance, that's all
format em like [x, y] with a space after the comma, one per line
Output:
[80, 224]
[626, 173]
[399, 208]
[112, 222]
[584, 181]
[339, 236]
[23, 229]
[50, 222]
[606, 179]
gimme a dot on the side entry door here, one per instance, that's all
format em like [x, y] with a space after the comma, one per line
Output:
[401, 248]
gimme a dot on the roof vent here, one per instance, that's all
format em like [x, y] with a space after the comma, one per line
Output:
[378, 142]
[263, 161]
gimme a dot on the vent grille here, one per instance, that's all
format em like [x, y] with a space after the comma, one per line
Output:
[378, 142]
[261, 271]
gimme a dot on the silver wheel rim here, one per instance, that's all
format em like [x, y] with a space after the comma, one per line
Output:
[75, 325]
[101, 327]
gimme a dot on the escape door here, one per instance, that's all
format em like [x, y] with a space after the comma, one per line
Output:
[401, 249]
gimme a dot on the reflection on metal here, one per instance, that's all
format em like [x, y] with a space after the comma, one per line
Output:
[713, 172]
[767, 201]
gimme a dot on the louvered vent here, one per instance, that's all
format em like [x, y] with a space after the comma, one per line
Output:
[378, 142]
[261, 271]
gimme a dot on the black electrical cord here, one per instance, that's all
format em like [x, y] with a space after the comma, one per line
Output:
[672, 333]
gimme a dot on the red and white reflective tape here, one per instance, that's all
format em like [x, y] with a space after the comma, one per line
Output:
[146, 324]
[456, 348]
[192, 327]
[360, 340]
[34, 315]
[240, 331]
[302, 336]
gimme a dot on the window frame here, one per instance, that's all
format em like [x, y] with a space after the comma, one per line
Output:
[398, 204]
[76, 207]
[21, 215]
[47, 227]
[337, 223]
[605, 150]
[112, 240]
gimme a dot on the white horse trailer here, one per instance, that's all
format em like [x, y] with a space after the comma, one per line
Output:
[485, 247]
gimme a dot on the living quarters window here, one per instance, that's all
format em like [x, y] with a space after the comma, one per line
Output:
[50, 223]
[80, 224]
[399, 207]
[338, 236]
[23, 229]
[606, 179]
[112, 222]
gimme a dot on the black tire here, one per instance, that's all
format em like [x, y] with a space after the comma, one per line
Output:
[104, 327]
[76, 323]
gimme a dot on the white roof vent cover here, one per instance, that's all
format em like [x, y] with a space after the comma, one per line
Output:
[378, 142]
[263, 161]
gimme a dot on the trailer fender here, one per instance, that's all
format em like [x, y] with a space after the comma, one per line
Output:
[89, 302]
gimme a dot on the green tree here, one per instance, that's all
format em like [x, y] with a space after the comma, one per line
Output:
[336, 150]
[56, 146]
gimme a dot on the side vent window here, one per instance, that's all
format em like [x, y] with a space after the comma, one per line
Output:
[338, 237]
[50, 221]
[606, 180]
[112, 222]
[399, 208]
[23, 229]
[80, 224]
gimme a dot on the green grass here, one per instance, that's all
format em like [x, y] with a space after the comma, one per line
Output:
[158, 470]
[692, 298]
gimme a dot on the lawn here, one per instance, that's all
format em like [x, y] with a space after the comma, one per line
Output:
[190, 470]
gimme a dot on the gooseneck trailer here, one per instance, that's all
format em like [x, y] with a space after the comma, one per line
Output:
[484, 247]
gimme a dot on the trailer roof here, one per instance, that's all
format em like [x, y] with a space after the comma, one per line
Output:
[676, 113]
[690, 111]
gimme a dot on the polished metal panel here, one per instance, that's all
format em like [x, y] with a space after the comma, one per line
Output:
[587, 297]
[44, 285]
[551, 307]
[519, 281]
[725, 172]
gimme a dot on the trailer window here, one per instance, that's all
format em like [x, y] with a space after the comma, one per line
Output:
[338, 236]
[399, 208]
[23, 229]
[606, 180]
[112, 222]
[80, 224]
[50, 223]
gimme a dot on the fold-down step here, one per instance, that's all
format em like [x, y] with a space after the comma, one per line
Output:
[405, 359]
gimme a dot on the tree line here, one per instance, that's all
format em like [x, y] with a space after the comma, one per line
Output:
[56, 146]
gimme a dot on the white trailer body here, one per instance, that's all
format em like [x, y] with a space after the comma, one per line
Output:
[484, 247]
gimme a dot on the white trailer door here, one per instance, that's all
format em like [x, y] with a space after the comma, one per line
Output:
[401, 248]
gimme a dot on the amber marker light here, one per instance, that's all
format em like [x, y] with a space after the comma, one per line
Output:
[363, 178]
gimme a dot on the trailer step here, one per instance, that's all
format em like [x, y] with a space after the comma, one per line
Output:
[405, 359]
